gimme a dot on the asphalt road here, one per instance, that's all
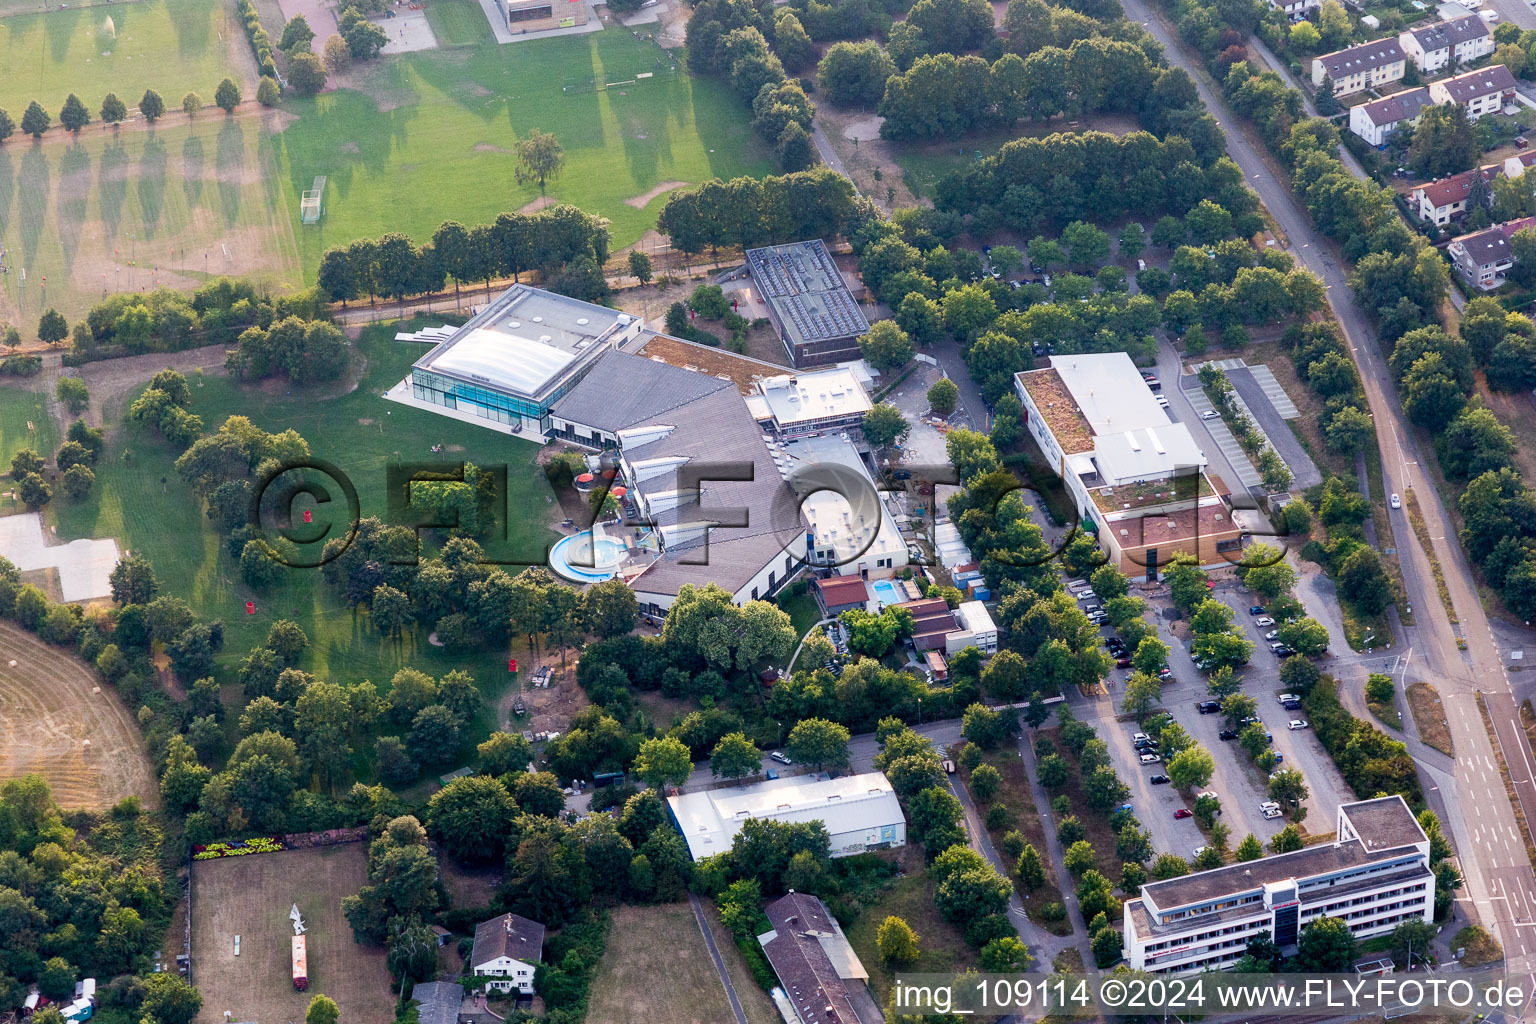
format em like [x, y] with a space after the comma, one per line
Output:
[1499, 880]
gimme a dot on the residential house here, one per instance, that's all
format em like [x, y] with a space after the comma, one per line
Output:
[1516, 165]
[821, 980]
[1371, 65]
[838, 594]
[1463, 40]
[1483, 257]
[1440, 201]
[1296, 10]
[1484, 91]
[1377, 120]
[506, 950]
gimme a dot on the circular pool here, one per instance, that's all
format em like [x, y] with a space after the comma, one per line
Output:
[583, 558]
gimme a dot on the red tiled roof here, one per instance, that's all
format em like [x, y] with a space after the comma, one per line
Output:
[1455, 188]
[837, 591]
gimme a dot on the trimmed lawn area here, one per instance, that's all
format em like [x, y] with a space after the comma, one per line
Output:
[657, 968]
[400, 144]
[754, 1001]
[941, 947]
[171, 46]
[801, 608]
[140, 209]
[358, 432]
[24, 423]
[1481, 947]
[458, 23]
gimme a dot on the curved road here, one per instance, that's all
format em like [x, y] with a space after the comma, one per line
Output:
[1498, 874]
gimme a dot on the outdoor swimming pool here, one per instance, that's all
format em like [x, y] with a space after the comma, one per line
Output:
[595, 558]
[886, 593]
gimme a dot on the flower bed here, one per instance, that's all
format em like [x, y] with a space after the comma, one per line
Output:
[238, 848]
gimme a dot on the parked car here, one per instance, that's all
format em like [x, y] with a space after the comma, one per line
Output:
[949, 766]
[1272, 634]
[1182, 813]
[1122, 663]
[1296, 723]
[1226, 734]
[1285, 697]
[779, 756]
[1257, 609]
[1284, 651]
[1276, 646]
[1165, 672]
[1198, 851]
[1159, 780]
[1292, 705]
[1263, 620]
[1209, 414]
[1209, 707]
[1150, 758]
[1270, 812]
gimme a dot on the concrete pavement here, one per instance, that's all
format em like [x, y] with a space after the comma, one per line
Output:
[1491, 871]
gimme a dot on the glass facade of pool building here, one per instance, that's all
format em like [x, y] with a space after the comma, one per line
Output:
[518, 356]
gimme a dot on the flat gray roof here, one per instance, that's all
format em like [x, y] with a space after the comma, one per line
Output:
[1245, 876]
[524, 340]
[1384, 823]
[802, 285]
[622, 390]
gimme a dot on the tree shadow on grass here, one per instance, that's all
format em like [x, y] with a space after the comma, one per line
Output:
[7, 190]
[35, 185]
[192, 161]
[151, 185]
[112, 187]
[74, 197]
[194, 27]
[58, 30]
[230, 164]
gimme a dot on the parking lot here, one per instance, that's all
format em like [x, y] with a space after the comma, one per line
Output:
[1239, 784]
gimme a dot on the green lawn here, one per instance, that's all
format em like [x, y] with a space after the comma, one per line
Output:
[134, 210]
[429, 136]
[358, 432]
[458, 23]
[20, 405]
[420, 138]
[171, 46]
[941, 947]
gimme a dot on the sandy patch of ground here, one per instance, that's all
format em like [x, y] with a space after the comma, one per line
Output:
[111, 379]
[865, 130]
[643, 200]
[407, 31]
[537, 205]
[486, 147]
[320, 14]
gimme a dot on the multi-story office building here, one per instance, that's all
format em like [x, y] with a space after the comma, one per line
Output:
[1374, 876]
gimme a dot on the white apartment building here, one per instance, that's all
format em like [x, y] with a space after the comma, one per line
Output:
[1462, 40]
[1373, 877]
[1296, 10]
[1440, 201]
[1377, 120]
[1484, 91]
[1367, 66]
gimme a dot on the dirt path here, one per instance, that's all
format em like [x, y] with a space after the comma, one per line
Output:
[111, 380]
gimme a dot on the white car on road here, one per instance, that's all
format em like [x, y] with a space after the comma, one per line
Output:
[1263, 620]
[1397, 502]
[1296, 723]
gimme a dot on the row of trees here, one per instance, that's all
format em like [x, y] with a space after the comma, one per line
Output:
[750, 212]
[74, 462]
[565, 245]
[75, 115]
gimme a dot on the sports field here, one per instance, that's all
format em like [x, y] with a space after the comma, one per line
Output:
[428, 136]
[361, 434]
[129, 211]
[251, 897]
[171, 46]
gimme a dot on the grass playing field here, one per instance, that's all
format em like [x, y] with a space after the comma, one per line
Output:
[414, 140]
[360, 433]
[428, 136]
[645, 946]
[129, 210]
[171, 46]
